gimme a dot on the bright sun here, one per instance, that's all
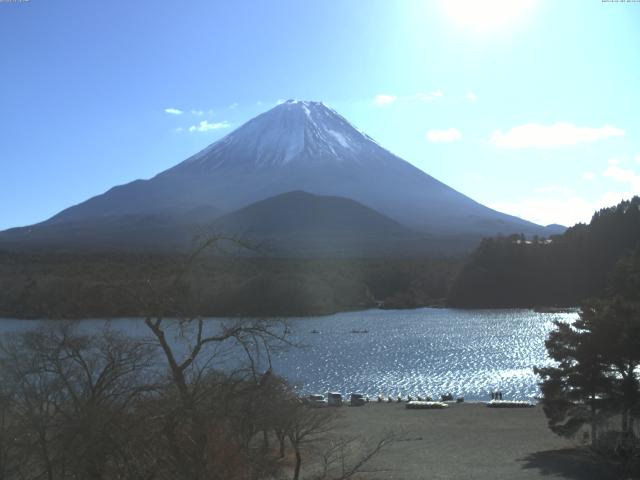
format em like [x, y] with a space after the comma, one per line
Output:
[486, 15]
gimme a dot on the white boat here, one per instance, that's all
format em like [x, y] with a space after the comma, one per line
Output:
[418, 405]
[509, 404]
[316, 400]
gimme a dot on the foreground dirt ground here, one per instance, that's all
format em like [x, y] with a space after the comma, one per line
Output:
[469, 441]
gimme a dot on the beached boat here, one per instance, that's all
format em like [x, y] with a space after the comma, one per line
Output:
[358, 399]
[509, 404]
[316, 400]
[426, 405]
[334, 399]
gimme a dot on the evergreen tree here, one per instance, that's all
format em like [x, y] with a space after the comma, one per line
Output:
[575, 391]
[598, 358]
[509, 271]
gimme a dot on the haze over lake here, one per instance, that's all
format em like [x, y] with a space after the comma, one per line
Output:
[416, 352]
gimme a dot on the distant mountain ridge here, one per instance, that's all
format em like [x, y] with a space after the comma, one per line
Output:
[300, 222]
[296, 146]
[300, 212]
[291, 224]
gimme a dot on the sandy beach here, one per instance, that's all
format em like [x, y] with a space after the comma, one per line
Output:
[470, 441]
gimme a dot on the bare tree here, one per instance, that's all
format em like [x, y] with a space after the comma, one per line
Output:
[72, 399]
[195, 400]
[306, 425]
[191, 347]
[9, 460]
[312, 431]
[346, 457]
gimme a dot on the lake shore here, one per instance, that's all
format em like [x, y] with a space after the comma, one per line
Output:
[469, 441]
[404, 352]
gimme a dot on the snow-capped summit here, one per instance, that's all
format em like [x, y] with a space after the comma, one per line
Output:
[300, 146]
[293, 131]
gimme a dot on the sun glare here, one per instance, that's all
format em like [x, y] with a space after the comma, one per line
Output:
[486, 15]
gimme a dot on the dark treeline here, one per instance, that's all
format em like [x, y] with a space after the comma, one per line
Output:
[81, 285]
[509, 271]
[561, 271]
[167, 406]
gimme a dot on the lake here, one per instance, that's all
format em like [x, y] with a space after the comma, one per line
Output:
[417, 352]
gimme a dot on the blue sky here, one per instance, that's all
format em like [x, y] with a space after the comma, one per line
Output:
[530, 107]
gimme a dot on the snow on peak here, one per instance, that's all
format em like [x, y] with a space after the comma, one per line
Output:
[341, 139]
[293, 131]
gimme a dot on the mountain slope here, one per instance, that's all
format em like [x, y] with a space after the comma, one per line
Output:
[292, 224]
[303, 146]
[301, 213]
[131, 232]
[296, 146]
[302, 223]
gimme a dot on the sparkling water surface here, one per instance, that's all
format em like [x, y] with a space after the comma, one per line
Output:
[420, 352]
[404, 352]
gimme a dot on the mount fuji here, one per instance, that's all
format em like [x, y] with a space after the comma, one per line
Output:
[297, 146]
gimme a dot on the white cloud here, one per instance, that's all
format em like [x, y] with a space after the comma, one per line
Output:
[471, 96]
[384, 99]
[559, 204]
[199, 113]
[173, 111]
[233, 105]
[447, 135]
[545, 210]
[623, 175]
[178, 130]
[610, 199]
[437, 94]
[280, 101]
[533, 135]
[205, 126]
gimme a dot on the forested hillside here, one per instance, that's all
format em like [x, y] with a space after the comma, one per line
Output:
[503, 272]
[81, 285]
[563, 270]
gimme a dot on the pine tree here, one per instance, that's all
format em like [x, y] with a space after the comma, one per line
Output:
[598, 360]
